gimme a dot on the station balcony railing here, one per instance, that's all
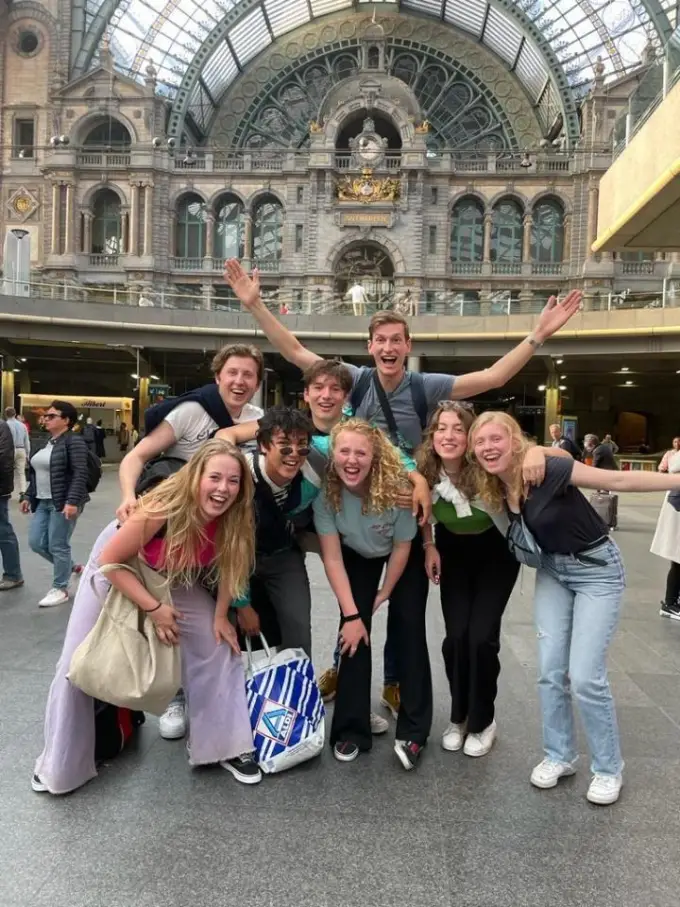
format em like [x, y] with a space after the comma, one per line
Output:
[306, 301]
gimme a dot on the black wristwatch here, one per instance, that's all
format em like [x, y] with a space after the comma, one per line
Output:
[346, 620]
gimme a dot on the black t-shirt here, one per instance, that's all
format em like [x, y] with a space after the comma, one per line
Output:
[558, 515]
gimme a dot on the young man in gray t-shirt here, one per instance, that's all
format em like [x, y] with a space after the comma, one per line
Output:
[389, 345]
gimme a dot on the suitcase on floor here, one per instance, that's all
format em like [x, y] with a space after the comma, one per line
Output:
[113, 728]
[606, 506]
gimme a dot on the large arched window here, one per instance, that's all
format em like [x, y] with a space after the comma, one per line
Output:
[190, 232]
[467, 231]
[506, 232]
[267, 232]
[229, 228]
[109, 134]
[547, 232]
[106, 223]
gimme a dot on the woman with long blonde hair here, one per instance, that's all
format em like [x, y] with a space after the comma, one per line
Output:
[361, 531]
[579, 589]
[196, 529]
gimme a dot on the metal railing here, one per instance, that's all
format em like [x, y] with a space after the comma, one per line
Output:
[98, 260]
[305, 300]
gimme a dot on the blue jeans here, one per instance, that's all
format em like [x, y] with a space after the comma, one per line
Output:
[390, 675]
[577, 607]
[9, 547]
[50, 537]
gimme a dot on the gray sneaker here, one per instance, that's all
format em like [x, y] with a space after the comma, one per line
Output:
[7, 584]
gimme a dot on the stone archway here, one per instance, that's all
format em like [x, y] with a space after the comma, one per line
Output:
[368, 263]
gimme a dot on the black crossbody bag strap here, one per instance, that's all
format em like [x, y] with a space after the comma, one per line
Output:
[387, 410]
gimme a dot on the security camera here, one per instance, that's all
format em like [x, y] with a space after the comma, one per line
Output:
[157, 143]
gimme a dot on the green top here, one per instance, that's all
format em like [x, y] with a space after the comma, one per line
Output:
[445, 513]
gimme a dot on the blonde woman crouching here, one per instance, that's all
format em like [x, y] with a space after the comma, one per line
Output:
[361, 530]
[580, 582]
[197, 529]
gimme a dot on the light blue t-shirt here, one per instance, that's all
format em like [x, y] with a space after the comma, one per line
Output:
[322, 443]
[369, 534]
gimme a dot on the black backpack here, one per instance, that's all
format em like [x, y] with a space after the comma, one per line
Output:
[417, 395]
[94, 467]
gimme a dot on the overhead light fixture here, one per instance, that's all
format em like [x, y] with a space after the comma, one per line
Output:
[16, 369]
[563, 387]
[562, 377]
[624, 368]
[154, 377]
[559, 361]
[526, 160]
[541, 387]
[22, 360]
[629, 383]
[136, 377]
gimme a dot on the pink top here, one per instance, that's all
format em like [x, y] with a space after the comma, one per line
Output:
[154, 550]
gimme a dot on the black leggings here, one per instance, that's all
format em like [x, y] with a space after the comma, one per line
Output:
[478, 576]
[673, 585]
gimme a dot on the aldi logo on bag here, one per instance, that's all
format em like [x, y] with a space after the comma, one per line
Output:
[276, 722]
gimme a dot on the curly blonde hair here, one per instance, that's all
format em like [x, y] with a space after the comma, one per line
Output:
[491, 489]
[176, 500]
[386, 478]
[428, 460]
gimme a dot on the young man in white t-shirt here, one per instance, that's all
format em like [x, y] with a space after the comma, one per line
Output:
[238, 371]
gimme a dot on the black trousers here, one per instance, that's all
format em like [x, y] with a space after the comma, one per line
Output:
[352, 711]
[477, 578]
[673, 585]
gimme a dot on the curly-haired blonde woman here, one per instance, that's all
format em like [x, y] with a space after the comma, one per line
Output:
[361, 530]
[196, 528]
[579, 588]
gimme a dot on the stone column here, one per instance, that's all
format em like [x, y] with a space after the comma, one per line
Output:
[148, 220]
[209, 235]
[56, 201]
[69, 247]
[248, 241]
[526, 238]
[207, 292]
[593, 194]
[566, 239]
[552, 405]
[124, 232]
[87, 232]
[7, 383]
[134, 219]
[488, 223]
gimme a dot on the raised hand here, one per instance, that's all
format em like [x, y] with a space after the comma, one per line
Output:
[247, 289]
[556, 314]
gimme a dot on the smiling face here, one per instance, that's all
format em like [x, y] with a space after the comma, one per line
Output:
[450, 437]
[285, 456]
[325, 398]
[219, 486]
[237, 381]
[389, 348]
[493, 448]
[353, 458]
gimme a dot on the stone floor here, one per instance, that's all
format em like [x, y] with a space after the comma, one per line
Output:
[471, 833]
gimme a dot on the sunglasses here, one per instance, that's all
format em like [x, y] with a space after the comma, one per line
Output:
[49, 416]
[288, 450]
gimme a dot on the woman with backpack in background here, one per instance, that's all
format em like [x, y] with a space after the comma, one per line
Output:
[57, 492]
[196, 529]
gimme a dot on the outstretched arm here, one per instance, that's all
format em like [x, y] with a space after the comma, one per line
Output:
[554, 316]
[247, 289]
[239, 434]
[610, 480]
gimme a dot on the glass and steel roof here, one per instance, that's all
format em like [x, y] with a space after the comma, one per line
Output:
[199, 47]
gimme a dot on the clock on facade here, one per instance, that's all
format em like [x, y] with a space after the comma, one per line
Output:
[368, 148]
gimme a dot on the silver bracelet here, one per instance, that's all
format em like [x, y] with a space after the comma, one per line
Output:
[537, 344]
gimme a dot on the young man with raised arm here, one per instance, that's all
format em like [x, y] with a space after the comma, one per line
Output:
[391, 387]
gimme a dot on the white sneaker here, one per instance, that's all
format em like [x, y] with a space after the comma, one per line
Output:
[480, 744]
[453, 737]
[548, 773]
[604, 789]
[173, 721]
[379, 725]
[54, 597]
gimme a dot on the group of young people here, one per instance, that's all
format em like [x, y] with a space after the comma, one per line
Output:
[407, 489]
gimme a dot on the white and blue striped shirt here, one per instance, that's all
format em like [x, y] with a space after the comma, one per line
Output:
[20, 435]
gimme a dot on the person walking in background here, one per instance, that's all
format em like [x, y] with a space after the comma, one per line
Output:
[358, 296]
[564, 443]
[134, 437]
[123, 437]
[611, 443]
[56, 495]
[665, 460]
[89, 435]
[9, 546]
[22, 448]
[100, 438]
[666, 541]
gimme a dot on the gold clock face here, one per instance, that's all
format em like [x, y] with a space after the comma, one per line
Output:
[22, 204]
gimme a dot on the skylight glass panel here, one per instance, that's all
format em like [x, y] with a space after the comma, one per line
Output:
[531, 70]
[249, 36]
[200, 107]
[322, 7]
[219, 71]
[466, 14]
[434, 7]
[501, 35]
[285, 15]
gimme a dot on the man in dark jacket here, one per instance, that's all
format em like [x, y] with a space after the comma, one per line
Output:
[9, 546]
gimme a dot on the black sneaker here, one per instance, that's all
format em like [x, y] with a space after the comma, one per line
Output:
[345, 751]
[408, 753]
[244, 768]
[672, 611]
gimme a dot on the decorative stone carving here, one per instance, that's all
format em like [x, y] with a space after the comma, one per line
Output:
[366, 189]
[22, 205]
